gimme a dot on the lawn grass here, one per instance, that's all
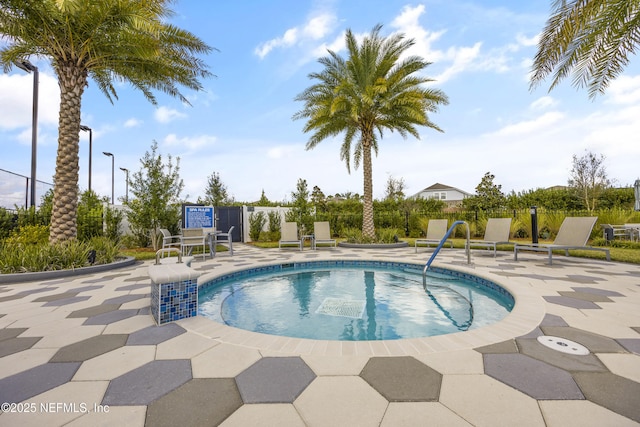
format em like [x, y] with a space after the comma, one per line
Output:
[628, 255]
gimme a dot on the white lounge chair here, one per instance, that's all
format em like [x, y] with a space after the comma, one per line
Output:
[289, 235]
[573, 234]
[436, 229]
[496, 233]
[322, 234]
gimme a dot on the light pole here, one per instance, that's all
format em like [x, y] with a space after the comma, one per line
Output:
[88, 129]
[126, 198]
[113, 161]
[29, 67]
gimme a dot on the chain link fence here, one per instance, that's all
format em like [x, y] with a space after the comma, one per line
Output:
[15, 189]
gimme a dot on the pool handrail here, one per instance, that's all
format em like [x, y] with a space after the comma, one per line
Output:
[441, 244]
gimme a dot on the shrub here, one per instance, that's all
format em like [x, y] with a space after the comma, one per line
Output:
[257, 221]
[29, 235]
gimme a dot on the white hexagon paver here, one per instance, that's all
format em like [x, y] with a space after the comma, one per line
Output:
[483, 401]
[271, 414]
[341, 401]
[416, 413]
[223, 361]
[110, 365]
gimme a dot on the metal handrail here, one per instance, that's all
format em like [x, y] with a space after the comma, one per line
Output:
[442, 242]
[168, 250]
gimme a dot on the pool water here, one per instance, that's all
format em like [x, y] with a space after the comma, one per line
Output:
[352, 303]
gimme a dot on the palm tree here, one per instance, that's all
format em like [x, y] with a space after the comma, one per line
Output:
[370, 91]
[105, 40]
[590, 39]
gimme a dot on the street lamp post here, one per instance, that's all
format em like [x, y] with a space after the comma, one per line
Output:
[29, 67]
[113, 161]
[88, 129]
[126, 197]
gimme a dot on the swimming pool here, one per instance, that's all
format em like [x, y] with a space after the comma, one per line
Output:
[352, 301]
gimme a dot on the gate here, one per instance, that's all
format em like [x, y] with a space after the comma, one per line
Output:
[227, 217]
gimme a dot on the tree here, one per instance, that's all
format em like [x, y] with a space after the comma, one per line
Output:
[300, 211]
[488, 195]
[395, 189]
[156, 189]
[591, 39]
[588, 178]
[370, 91]
[318, 199]
[216, 191]
[108, 41]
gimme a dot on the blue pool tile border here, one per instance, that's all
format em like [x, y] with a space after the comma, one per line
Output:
[302, 265]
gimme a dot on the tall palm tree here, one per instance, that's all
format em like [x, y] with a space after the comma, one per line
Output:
[591, 39]
[108, 41]
[373, 89]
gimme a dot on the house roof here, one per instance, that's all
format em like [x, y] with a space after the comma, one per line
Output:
[441, 187]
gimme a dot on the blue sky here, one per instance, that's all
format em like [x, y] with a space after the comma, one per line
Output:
[241, 127]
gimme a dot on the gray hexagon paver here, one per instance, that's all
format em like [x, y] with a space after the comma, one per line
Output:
[94, 311]
[147, 383]
[56, 297]
[8, 333]
[153, 335]
[594, 342]
[614, 392]
[571, 302]
[16, 345]
[533, 377]
[274, 380]
[568, 362]
[125, 298]
[66, 301]
[110, 317]
[402, 379]
[89, 348]
[29, 383]
[198, 402]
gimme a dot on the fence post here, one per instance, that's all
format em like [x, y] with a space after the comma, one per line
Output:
[534, 224]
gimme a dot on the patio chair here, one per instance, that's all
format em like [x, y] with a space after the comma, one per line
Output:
[436, 229]
[496, 233]
[573, 234]
[289, 235]
[192, 238]
[225, 238]
[611, 232]
[169, 241]
[322, 234]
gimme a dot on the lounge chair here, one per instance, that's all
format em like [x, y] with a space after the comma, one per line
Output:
[573, 234]
[496, 233]
[194, 237]
[436, 229]
[289, 235]
[322, 234]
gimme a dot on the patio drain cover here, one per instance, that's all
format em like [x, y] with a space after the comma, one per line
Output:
[342, 307]
[563, 345]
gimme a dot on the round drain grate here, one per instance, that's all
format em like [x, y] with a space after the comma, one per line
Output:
[563, 345]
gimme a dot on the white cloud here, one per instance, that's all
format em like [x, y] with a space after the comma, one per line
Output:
[316, 28]
[624, 90]
[190, 143]
[132, 122]
[529, 127]
[166, 115]
[17, 92]
[543, 102]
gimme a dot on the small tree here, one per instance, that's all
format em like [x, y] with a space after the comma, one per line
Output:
[300, 207]
[588, 178]
[488, 195]
[216, 192]
[156, 192]
[395, 189]
[318, 199]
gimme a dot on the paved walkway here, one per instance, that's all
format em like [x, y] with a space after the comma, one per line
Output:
[84, 351]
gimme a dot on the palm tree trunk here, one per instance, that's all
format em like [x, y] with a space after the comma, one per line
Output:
[72, 81]
[368, 228]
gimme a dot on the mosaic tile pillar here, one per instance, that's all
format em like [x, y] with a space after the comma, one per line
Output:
[174, 292]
